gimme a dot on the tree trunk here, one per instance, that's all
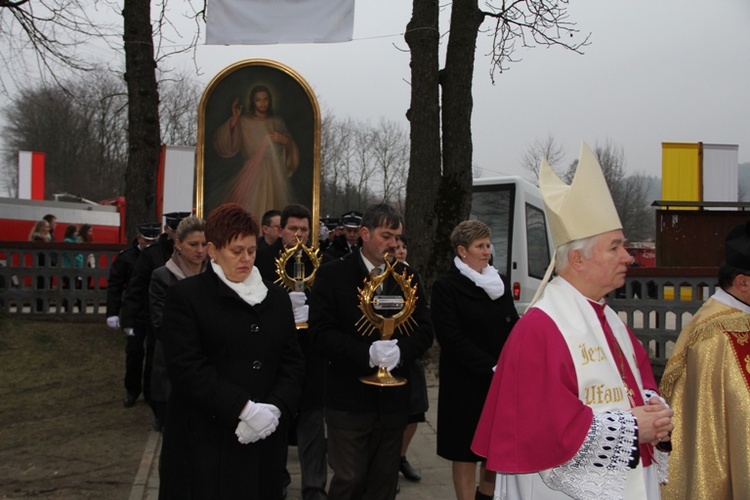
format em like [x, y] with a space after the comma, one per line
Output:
[143, 115]
[453, 202]
[423, 37]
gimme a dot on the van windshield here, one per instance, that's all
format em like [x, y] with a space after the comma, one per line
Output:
[537, 245]
[493, 205]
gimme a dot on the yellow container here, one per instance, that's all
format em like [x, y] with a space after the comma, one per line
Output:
[686, 293]
[681, 172]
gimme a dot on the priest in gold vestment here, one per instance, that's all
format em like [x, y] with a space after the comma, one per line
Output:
[707, 384]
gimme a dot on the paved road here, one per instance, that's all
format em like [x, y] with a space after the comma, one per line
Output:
[436, 480]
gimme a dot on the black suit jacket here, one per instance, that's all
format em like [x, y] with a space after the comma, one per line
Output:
[119, 275]
[135, 303]
[337, 249]
[334, 312]
[312, 394]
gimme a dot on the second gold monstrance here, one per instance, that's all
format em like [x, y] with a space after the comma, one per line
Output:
[300, 281]
[402, 321]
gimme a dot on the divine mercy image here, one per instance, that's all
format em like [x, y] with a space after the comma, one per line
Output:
[259, 126]
[270, 155]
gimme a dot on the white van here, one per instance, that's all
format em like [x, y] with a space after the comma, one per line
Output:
[514, 210]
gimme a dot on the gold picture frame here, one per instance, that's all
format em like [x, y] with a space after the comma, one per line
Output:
[259, 162]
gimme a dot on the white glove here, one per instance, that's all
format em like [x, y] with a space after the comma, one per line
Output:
[301, 310]
[113, 322]
[276, 412]
[392, 358]
[128, 332]
[385, 353]
[297, 298]
[263, 418]
[245, 434]
[301, 313]
[323, 232]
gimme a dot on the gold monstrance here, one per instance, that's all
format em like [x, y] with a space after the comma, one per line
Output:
[402, 321]
[300, 281]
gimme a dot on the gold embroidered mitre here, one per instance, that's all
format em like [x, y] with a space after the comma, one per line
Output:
[582, 209]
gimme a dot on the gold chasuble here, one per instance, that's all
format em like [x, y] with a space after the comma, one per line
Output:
[707, 384]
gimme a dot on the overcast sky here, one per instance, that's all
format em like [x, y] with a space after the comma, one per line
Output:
[656, 71]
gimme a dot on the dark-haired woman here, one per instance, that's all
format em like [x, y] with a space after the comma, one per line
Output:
[231, 350]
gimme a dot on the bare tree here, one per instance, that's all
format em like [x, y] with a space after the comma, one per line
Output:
[340, 164]
[144, 137]
[144, 49]
[179, 95]
[531, 23]
[81, 131]
[439, 185]
[335, 158]
[425, 158]
[540, 149]
[391, 152]
[43, 37]
[52, 30]
[359, 177]
[361, 164]
[9, 176]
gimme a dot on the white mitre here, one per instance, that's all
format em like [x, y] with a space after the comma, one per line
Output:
[582, 209]
[579, 210]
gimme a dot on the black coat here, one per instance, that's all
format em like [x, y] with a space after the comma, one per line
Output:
[312, 394]
[337, 249]
[471, 329]
[161, 279]
[135, 304]
[221, 352]
[119, 275]
[334, 312]
[265, 260]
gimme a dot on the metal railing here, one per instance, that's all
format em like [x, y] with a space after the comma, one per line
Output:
[50, 280]
[55, 280]
[656, 303]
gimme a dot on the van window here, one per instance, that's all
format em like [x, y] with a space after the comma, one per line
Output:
[493, 205]
[536, 237]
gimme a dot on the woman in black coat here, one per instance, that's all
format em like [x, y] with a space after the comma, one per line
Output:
[472, 313]
[188, 259]
[236, 368]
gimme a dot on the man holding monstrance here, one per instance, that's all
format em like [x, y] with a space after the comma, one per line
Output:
[365, 421]
[292, 263]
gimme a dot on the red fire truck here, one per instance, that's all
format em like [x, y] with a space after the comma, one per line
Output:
[17, 217]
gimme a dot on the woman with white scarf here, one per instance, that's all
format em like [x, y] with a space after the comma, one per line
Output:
[188, 259]
[236, 369]
[473, 314]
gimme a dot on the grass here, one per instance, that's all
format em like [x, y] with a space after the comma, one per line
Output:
[63, 430]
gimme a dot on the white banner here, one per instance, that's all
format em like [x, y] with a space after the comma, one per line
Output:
[178, 186]
[254, 22]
